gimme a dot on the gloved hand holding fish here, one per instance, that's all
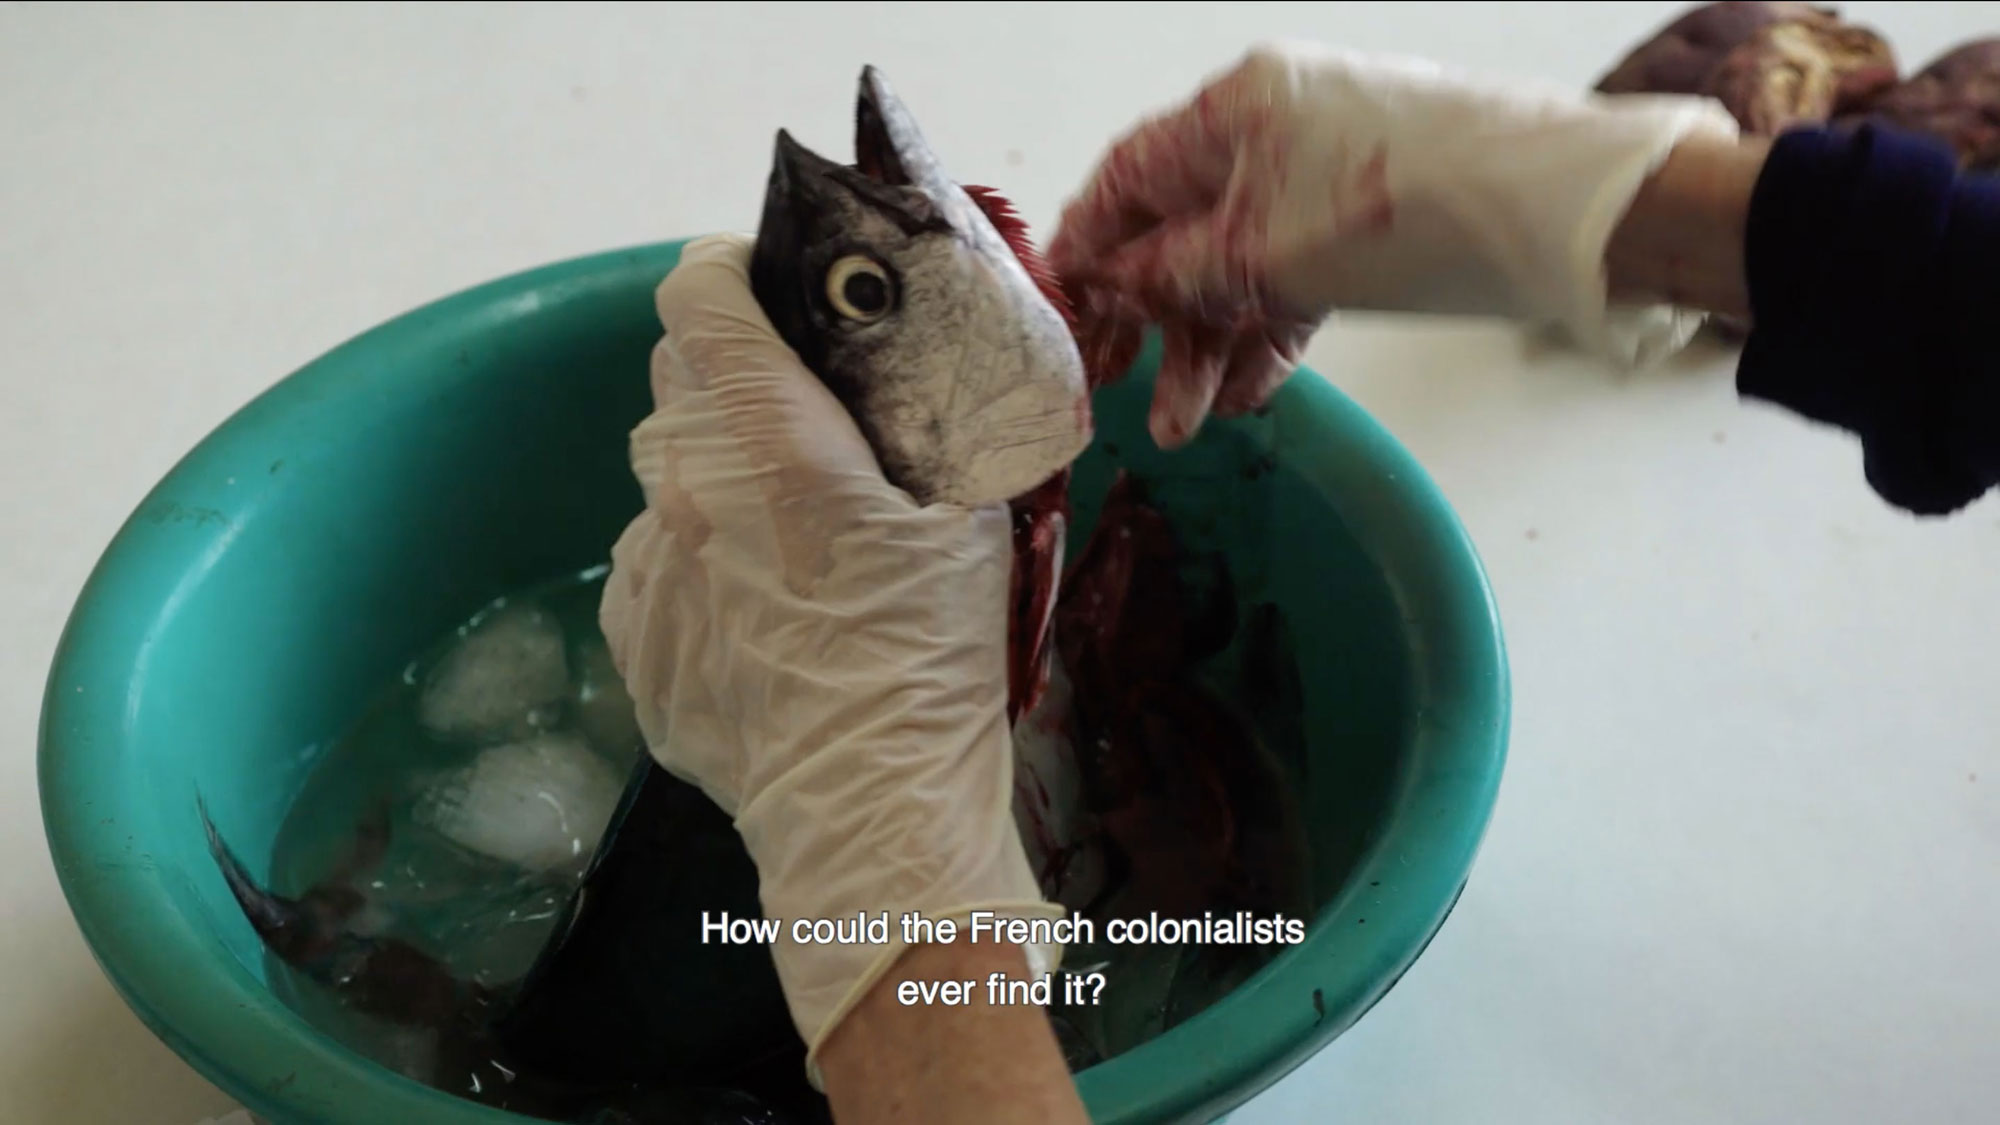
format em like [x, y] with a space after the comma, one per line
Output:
[824, 656]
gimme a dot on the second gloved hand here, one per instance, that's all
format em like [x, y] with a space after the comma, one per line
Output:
[1308, 179]
[822, 656]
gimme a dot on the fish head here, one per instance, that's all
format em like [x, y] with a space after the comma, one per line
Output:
[895, 287]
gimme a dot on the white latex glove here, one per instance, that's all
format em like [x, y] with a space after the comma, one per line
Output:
[1309, 178]
[824, 658]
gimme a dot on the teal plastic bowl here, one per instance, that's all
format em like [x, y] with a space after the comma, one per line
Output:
[333, 528]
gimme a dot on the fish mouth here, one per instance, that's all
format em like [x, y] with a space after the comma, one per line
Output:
[883, 132]
[893, 172]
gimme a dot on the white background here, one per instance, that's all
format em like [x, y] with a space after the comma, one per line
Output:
[1744, 863]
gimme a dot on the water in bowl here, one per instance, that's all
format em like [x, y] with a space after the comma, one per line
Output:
[485, 775]
[479, 783]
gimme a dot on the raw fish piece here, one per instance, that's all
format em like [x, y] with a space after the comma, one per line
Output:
[502, 681]
[541, 804]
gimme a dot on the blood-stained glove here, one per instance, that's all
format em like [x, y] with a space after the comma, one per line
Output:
[1309, 178]
[822, 656]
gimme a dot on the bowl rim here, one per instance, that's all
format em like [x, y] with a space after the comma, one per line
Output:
[226, 1025]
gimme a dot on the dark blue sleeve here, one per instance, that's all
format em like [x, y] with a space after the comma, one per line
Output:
[1873, 267]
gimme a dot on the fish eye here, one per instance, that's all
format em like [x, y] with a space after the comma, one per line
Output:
[859, 289]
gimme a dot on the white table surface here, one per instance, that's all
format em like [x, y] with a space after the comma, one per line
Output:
[1745, 862]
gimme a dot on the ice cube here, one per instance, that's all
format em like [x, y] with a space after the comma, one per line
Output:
[504, 680]
[541, 804]
[604, 710]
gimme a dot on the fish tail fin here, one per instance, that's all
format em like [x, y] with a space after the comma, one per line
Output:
[386, 978]
[280, 921]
